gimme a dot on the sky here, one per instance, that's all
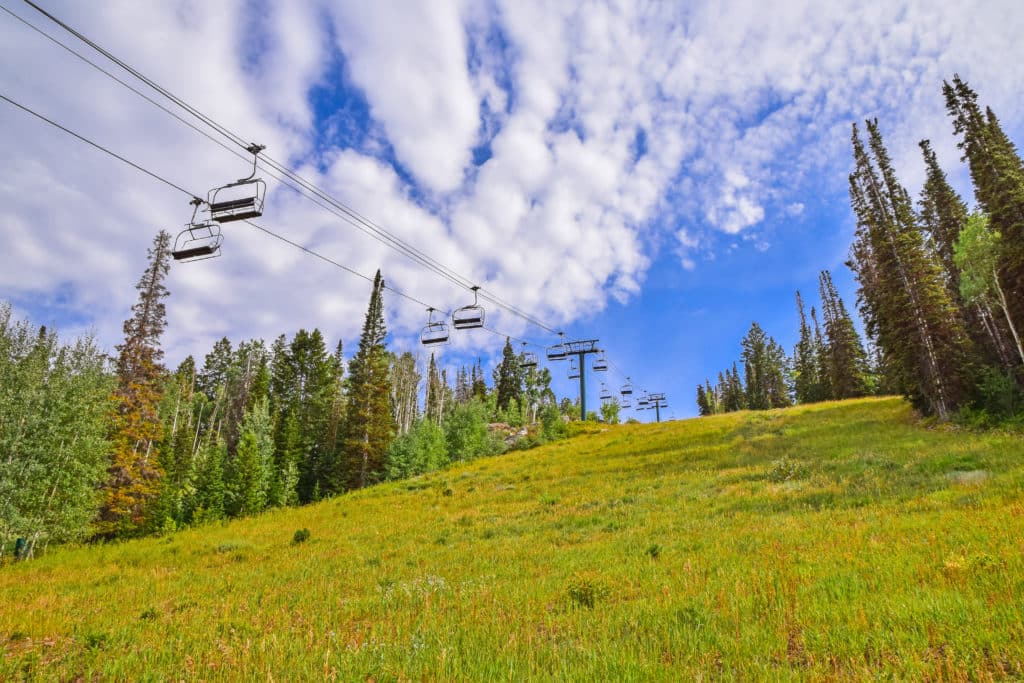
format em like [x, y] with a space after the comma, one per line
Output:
[655, 175]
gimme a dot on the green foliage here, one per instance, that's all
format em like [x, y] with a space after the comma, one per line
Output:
[465, 431]
[610, 411]
[976, 254]
[300, 536]
[369, 424]
[422, 449]
[900, 539]
[54, 404]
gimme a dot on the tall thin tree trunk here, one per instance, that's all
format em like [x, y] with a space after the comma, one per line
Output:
[1006, 312]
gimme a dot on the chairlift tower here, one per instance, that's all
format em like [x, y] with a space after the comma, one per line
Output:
[657, 401]
[581, 349]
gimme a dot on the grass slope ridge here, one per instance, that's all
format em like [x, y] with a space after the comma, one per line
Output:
[832, 540]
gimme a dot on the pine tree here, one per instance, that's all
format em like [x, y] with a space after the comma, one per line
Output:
[998, 174]
[755, 361]
[805, 362]
[508, 380]
[905, 304]
[134, 472]
[823, 390]
[943, 214]
[847, 361]
[703, 408]
[369, 426]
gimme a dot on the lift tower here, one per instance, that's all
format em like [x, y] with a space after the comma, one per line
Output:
[581, 349]
[657, 402]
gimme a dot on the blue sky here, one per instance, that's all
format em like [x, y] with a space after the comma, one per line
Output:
[657, 175]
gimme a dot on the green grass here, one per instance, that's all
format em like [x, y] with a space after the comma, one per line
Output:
[841, 540]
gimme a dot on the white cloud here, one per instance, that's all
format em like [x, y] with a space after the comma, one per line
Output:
[744, 108]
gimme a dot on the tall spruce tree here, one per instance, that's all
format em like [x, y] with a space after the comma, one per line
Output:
[805, 362]
[134, 473]
[943, 215]
[847, 360]
[369, 426]
[904, 301]
[998, 174]
[434, 401]
[508, 380]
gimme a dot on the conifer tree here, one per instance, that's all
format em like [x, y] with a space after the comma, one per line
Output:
[369, 426]
[847, 361]
[998, 174]
[805, 362]
[134, 472]
[508, 381]
[905, 304]
[755, 368]
[943, 215]
[702, 401]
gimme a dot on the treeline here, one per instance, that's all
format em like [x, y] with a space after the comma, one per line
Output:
[942, 287]
[940, 290]
[99, 447]
[829, 362]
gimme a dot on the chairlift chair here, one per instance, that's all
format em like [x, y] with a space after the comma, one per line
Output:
[469, 317]
[627, 388]
[527, 359]
[558, 351]
[605, 394]
[241, 199]
[643, 401]
[574, 369]
[197, 241]
[435, 331]
[625, 403]
[600, 363]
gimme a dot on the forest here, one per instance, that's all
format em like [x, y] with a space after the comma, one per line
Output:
[100, 447]
[940, 291]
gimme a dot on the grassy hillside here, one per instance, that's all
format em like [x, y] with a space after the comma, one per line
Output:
[836, 540]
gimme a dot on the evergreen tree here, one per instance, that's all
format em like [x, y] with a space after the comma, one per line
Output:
[998, 174]
[823, 390]
[943, 215]
[905, 303]
[134, 472]
[703, 407]
[479, 384]
[755, 368]
[508, 380]
[847, 361]
[369, 426]
[805, 362]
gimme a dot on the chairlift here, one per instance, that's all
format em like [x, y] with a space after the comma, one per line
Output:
[625, 403]
[600, 363]
[435, 331]
[558, 351]
[643, 401]
[627, 388]
[198, 241]
[241, 199]
[605, 394]
[527, 359]
[469, 317]
[574, 369]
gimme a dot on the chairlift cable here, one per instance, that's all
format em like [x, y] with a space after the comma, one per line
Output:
[263, 229]
[98, 146]
[380, 233]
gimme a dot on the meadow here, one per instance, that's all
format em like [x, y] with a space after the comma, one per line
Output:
[840, 540]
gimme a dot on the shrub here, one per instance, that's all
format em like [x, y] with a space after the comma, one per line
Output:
[585, 590]
[301, 536]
